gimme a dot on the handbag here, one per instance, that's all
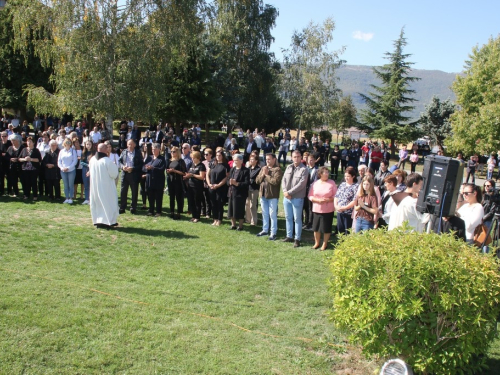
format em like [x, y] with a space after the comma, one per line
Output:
[481, 236]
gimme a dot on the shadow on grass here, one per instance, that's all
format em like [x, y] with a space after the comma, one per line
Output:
[154, 232]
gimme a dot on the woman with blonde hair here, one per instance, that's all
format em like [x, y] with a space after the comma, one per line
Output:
[175, 173]
[67, 162]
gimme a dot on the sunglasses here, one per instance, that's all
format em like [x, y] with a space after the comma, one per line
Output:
[488, 185]
[468, 192]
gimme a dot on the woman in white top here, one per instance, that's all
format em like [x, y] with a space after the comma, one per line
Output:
[472, 211]
[67, 162]
[293, 145]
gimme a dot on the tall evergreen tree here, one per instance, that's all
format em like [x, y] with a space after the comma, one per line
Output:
[385, 116]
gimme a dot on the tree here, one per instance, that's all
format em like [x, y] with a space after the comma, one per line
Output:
[108, 59]
[245, 73]
[344, 117]
[307, 82]
[435, 121]
[17, 70]
[384, 118]
[476, 123]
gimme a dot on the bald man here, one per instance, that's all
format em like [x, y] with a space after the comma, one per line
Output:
[103, 195]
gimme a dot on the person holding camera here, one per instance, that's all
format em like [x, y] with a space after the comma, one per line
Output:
[490, 202]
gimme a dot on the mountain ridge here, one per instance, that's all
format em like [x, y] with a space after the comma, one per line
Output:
[355, 79]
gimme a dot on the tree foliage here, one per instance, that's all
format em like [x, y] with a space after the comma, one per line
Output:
[435, 121]
[476, 123]
[307, 81]
[108, 59]
[344, 116]
[245, 71]
[385, 116]
[17, 69]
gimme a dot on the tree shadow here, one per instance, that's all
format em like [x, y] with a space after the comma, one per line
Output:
[493, 367]
[153, 232]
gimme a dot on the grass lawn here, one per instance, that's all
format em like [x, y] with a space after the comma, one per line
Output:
[157, 296]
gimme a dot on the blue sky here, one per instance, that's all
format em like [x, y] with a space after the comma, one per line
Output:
[440, 33]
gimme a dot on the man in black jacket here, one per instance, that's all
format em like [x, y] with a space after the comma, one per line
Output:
[131, 162]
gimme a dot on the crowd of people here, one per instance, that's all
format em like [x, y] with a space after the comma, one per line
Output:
[230, 176]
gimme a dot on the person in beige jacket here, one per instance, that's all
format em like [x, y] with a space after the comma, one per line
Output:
[269, 178]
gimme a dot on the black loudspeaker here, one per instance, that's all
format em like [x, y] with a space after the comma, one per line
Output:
[442, 179]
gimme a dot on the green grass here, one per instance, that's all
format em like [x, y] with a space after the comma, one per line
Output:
[157, 296]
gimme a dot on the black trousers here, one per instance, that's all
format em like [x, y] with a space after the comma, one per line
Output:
[335, 169]
[53, 188]
[195, 195]
[29, 182]
[3, 174]
[13, 182]
[206, 203]
[217, 205]
[128, 180]
[41, 182]
[344, 222]
[308, 214]
[143, 191]
[155, 198]
[343, 165]
[176, 192]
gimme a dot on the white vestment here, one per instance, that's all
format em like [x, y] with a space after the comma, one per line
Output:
[103, 195]
[407, 211]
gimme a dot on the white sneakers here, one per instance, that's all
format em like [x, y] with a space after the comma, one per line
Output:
[69, 201]
[85, 201]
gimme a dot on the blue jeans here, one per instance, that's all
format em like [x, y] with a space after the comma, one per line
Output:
[86, 182]
[69, 183]
[293, 214]
[363, 224]
[269, 210]
[489, 175]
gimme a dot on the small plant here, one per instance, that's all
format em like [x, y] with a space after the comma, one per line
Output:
[428, 299]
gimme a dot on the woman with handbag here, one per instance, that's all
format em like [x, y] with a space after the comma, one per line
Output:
[472, 211]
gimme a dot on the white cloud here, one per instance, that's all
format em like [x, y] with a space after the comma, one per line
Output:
[366, 37]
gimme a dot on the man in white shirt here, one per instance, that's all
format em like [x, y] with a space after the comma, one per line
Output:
[95, 135]
[259, 141]
[405, 207]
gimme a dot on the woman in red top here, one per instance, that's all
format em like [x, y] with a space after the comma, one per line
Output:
[376, 157]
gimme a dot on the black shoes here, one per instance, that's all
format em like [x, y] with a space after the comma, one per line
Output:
[296, 243]
[261, 234]
[288, 239]
[121, 211]
[272, 237]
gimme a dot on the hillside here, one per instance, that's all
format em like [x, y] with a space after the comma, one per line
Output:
[354, 79]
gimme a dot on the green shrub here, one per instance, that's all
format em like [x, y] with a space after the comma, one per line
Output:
[428, 299]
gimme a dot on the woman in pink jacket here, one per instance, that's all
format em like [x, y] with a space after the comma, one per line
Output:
[321, 194]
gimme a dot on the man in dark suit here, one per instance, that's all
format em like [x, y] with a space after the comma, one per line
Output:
[131, 162]
[250, 146]
[159, 135]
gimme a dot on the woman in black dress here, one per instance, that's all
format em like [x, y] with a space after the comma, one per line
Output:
[147, 155]
[335, 157]
[238, 181]
[175, 172]
[78, 169]
[216, 181]
[155, 180]
[30, 159]
[195, 177]
[12, 156]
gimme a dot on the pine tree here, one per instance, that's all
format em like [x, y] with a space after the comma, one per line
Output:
[384, 118]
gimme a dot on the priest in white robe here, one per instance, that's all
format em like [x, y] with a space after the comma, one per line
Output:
[103, 194]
